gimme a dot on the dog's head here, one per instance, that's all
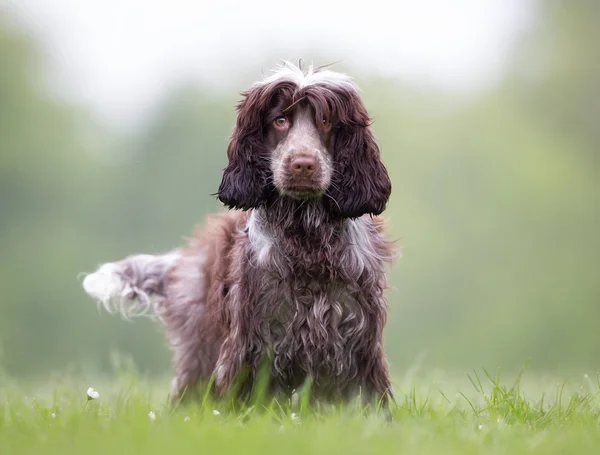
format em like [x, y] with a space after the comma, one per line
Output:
[304, 136]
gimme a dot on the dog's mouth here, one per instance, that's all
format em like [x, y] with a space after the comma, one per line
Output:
[301, 192]
[301, 187]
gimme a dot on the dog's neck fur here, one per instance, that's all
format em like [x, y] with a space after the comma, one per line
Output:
[296, 226]
[290, 218]
[304, 239]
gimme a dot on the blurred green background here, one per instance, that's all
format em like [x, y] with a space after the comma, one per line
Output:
[496, 202]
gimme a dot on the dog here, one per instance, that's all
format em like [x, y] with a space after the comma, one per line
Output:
[294, 272]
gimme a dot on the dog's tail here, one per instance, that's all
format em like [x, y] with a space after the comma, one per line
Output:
[134, 286]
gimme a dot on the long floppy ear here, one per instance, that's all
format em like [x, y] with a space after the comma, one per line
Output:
[247, 181]
[360, 182]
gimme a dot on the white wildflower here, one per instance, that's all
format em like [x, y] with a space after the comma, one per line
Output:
[53, 415]
[215, 412]
[186, 419]
[152, 415]
[295, 417]
[92, 394]
[281, 428]
[480, 427]
[295, 398]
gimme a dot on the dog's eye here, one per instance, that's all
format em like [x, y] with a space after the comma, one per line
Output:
[326, 124]
[280, 122]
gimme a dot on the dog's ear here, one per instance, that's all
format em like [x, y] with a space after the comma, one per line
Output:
[360, 182]
[247, 181]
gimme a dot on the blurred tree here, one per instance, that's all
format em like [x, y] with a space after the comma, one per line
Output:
[555, 72]
[494, 201]
[53, 201]
[178, 164]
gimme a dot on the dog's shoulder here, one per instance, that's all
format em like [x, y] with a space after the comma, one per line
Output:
[368, 236]
[222, 227]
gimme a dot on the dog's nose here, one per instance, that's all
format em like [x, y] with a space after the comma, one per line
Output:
[303, 165]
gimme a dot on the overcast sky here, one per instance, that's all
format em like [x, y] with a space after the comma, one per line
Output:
[120, 56]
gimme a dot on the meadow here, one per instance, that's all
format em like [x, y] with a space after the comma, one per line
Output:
[474, 413]
[495, 204]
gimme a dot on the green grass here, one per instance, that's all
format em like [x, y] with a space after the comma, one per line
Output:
[474, 414]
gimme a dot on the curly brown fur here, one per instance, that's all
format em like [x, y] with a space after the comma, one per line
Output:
[297, 276]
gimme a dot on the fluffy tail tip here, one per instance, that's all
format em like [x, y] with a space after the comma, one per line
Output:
[108, 287]
[105, 283]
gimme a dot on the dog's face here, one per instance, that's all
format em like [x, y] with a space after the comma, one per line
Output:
[304, 136]
[300, 147]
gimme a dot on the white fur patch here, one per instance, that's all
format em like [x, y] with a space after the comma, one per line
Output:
[312, 76]
[129, 295]
[361, 249]
[260, 242]
[105, 283]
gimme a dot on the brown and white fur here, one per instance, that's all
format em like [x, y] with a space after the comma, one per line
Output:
[296, 276]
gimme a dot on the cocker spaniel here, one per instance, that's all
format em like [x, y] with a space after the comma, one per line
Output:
[296, 275]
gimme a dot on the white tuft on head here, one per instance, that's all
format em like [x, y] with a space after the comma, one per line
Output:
[312, 76]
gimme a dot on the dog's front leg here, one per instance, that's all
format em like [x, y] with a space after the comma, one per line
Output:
[231, 366]
[233, 373]
[378, 379]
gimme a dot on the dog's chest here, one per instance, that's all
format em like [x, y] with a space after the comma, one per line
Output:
[313, 296]
[308, 326]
